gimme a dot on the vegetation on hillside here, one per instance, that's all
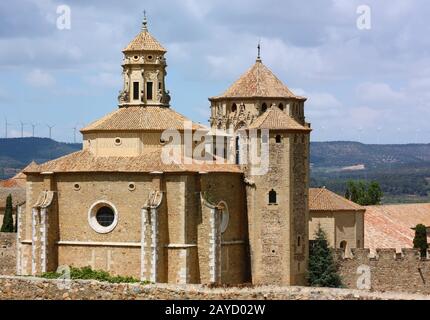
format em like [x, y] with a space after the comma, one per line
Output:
[16, 153]
[322, 270]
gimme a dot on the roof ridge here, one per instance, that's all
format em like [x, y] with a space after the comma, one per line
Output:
[320, 191]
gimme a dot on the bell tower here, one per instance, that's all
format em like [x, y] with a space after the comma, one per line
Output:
[144, 72]
[277, 198]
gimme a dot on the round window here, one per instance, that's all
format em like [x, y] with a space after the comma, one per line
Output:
[118, 141]
[103, 217]
[131, 186]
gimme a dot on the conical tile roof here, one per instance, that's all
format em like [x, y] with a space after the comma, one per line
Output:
[144, 41]
[257, 82]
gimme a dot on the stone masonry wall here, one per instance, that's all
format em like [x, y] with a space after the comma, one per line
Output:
[388, 270]
[7, 253]
[26, 288]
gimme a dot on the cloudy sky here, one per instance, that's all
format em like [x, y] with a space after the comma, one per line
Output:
[370, 85]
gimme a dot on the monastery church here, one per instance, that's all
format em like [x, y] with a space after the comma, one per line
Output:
[116, 206]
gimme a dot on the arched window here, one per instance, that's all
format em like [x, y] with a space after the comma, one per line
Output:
[281, 106]
[343, 245]
[278, 138]
[264, 107]
[272, 197]
[233, 107]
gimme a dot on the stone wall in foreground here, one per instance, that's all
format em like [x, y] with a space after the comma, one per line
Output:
[7, 253]
[403, 271]
[35, 289]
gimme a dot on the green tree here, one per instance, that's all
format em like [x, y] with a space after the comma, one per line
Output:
[322, 268]
[420, 239]
[363, 193]
[8, 217]
[374, 193]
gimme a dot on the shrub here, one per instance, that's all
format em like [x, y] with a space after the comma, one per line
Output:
[86, 273]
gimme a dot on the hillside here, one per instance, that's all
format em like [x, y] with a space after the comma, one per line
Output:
[343, 153]
[402, 170]
[16, 153]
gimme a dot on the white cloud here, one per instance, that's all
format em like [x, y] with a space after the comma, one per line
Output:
[39, 78]
[105, 80]
[379, 92]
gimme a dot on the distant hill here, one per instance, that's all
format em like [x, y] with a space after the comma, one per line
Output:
[402, 170]
[344, 153]
[16, 153]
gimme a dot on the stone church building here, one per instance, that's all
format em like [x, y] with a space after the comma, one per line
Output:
[117, 205]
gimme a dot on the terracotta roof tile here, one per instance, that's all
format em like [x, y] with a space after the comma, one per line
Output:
[144, 41]
[141, 118]
[149, 161]
[275, 119]
[322, 199]
[389, 226]
[258, 81]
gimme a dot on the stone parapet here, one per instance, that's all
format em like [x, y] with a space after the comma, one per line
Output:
[28, 288]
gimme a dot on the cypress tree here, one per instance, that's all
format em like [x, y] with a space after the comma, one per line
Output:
[322, 268]
[8, 216]
[420, 239]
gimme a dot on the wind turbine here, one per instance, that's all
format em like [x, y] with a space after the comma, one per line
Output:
[7, 125]
[22, 128]
[50, 130]
[33, 125]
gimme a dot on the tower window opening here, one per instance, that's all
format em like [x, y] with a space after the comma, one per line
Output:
[278, 138]
[159, 85]
[272, 197]
[149, 86]
[299, 241]
[237, 151]
[234, 107]
[264, 107]
[281, 106]
[136, 90]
